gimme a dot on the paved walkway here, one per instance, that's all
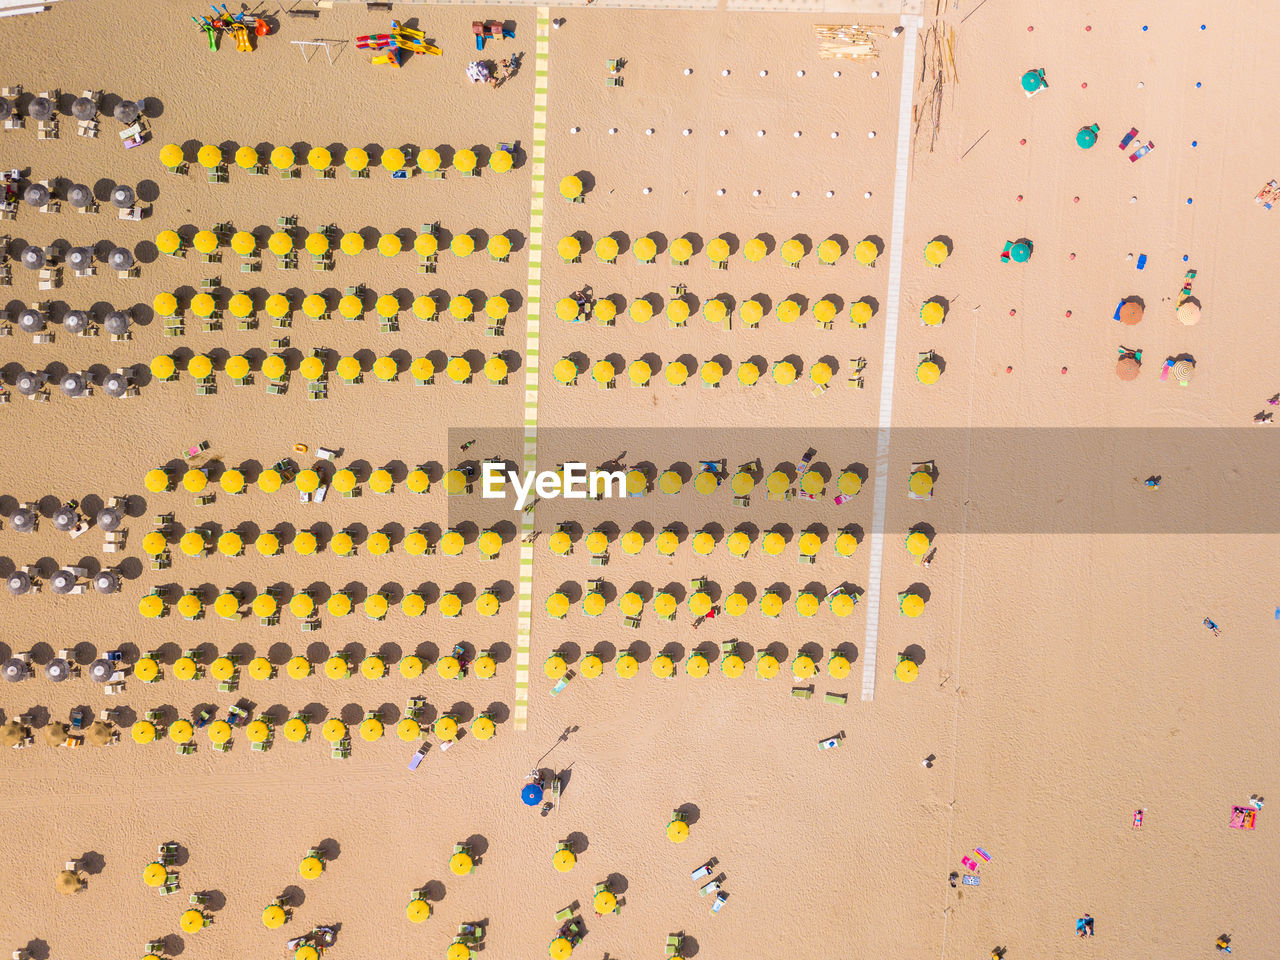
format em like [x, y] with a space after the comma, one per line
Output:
[533, 296]
[891, 319]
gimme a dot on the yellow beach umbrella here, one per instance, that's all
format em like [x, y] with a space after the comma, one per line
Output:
[718, 250]
[570, 187]
[342, 544]
[499, 246]
[317, 244]
[168, 241]
[557, 605]
[392, 159]
[304, 543]
[714, 310]
[784, 372]
[461, 307]
[199, 366]
[849, 483]
[458, 369]
[351, 244]
[666, 543]
[602, 372]
[928, 371]
[189, 605]
[386, 305]
[264, 605]
[280, 243]
[371, 729]
[171, 155]
[230, 544]
[240, 305]
[626, 666]
[269, 480]
[209, 156]
[568, 309]
[866, 252]
[243, 243]
[917, 543]
[143, 731]
[191, 921]
[681, 250]
[738, 543]
[736, 604]
[792, 251]
[748, 373]
[417, 910]
[356, 159]
[641, 310]
[424, 307]
[841, 604]
[771, 604]
[558, 949]
[462, 245]
[219, 731]
[302, 605]
[192, 543]
[703, 543]
[565, 370]
[932, 313]
[500, 161]
[906, 671]
[732, 665]
[299, 668]
[277, 305]
[788, 311]
[607, 249]
[426, 244]
[307, 481]
[569, 248]
[911, 605]
[314, 306]
[696, 665]
[676, 373]
[645, 249]
[282, 158]
[464, 161]
[381, 481]
[295, 728]
[246, 158]
[605, 310]
[755, 250]
[379, 544]
[267, 544]
[274, 917]
[677, 831]
[420, 368]
[350, 306]
[860, 313]
[389, 245]
[375, 606]
[824, 311]
[663, 667]
[446, 728]
[162, 368]
[205, 241]
[318, 158]
[165, 304]
[936, 252]
[226, 605]
[712, 373]
[806, 604]
[451, 543]
[429, 160]
[260, 668]
[829, 251]
[408, 729]
[767, 667]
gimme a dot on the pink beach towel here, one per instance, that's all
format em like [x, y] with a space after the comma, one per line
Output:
[1244, 818]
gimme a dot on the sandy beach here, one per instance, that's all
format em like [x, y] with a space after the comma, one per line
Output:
[1064, 677]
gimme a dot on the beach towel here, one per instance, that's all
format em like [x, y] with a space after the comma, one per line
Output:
[1137, 819]
[1244, 818]
[969, 863]
[970, 880]
[982, 853]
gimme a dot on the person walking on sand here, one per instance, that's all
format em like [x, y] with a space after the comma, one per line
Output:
[1152, 481]
[1217, 631]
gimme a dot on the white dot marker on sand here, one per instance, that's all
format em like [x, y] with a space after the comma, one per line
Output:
[830, 194]
[724, 133]
[613, 130]
[574, 129]
[836, 74]
[1133, 199]
[647, 190]
[874, 74]
[759, 133]
[724, 73]
[720, 192]
[685, 132]
[794, 194]
[1140, 84]
[755, 193]
[764, 73]
[867, 195]
[871, 134]
[834, 134]
[688, 71]
[649, 132]
[796, 134]
[799, 73]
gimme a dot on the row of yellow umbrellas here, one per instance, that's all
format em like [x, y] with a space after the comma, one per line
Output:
[738, 543]
[296, 730]
[699, 602]
[677, 372]
[718, 250]
[304, 606]
[697, 665]
[714, 310]
[320, 243]
[355, 159]
[336, 667]
[381, 480]
[197, 543]
[317, 305]
[274, 367]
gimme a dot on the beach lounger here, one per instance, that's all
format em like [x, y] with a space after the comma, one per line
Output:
[802, 693]
[704, 870]
[712, 886]
[719, 902]
[561, 684]
[674, 943]
[840, 698]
